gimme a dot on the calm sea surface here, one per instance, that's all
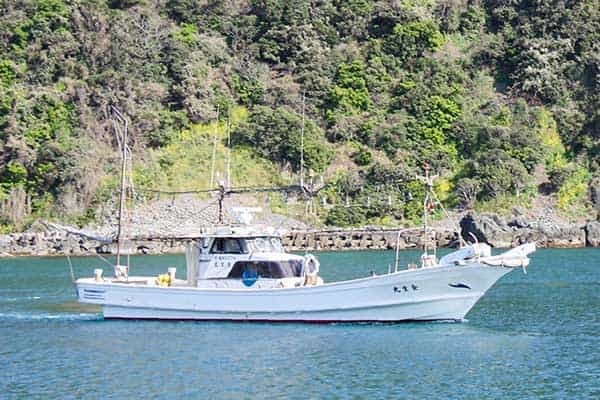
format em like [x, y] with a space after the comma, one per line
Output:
[533, 336]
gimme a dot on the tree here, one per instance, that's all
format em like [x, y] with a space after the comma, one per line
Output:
[466, 190]
[411, 40]
[276, 134]
[349, 95]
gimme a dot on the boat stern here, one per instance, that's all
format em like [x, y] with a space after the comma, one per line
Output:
[88, 291]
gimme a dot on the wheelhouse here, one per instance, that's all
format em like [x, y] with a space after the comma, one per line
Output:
[238, 257]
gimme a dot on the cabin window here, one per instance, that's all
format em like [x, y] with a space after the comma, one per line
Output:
[226, 246]
[268, 269]
[265, 245]
[276, 245]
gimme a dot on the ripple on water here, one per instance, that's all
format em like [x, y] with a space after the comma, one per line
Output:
[14, 299]
[16, 316]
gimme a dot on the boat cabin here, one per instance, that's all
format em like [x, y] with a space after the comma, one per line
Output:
[243, 258]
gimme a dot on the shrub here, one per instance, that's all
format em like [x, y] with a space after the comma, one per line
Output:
[8, 74]
[346, 216]
[363, 157]
[412, 40]
[574, 189]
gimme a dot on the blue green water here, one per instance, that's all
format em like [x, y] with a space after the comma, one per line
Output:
[534, 336]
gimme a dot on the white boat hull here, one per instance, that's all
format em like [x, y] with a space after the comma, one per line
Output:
[437, 293]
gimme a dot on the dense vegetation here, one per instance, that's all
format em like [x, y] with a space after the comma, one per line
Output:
[499, 96]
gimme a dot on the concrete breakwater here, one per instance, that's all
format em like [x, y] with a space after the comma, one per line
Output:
[44, 244]
[486, 228]
[366, 239]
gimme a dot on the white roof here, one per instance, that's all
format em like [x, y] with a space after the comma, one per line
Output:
[241, 232]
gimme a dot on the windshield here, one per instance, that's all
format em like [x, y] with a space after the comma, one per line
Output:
[267, 269]
[265, 245]
[226, 246]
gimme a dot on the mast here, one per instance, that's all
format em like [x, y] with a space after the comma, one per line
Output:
[122, 141]
[428, 203]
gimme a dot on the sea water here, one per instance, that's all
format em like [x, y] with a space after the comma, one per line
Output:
[532, 336]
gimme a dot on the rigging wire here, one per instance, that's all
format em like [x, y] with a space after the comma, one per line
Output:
[71, 268]
[105, 260]
[236, 190]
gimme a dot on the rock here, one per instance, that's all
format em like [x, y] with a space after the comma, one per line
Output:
[566, 236]
[5, 243]
[519, 222]
[551, 235]
[470, 228]
[592, 233]
[486, 228]
[446, 239]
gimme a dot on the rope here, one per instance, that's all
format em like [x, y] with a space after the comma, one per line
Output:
[170, 192]
[455, 223]
[243, 189]
[71, 268]
[105, 260]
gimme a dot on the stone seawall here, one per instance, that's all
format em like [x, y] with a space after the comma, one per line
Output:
[496, 232]
[364, 239]
[44, 244]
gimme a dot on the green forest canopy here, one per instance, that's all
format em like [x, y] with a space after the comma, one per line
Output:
[489, 92]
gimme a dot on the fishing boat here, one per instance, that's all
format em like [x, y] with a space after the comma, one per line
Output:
[241, 272]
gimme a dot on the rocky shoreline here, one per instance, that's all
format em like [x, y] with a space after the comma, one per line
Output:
[489, 228]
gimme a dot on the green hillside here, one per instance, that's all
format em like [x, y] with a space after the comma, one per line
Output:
[500, 97]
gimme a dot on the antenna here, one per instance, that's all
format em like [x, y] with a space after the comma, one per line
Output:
[229, 147]
[302, 141]
[214, 151]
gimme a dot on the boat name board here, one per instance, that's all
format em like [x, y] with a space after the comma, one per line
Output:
[222, 262]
